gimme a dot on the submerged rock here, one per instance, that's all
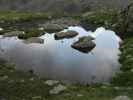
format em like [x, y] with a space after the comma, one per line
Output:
[34, 40]
[84, 44]
[68, 34]
[14, 33]
[122, 98]
[57, 89]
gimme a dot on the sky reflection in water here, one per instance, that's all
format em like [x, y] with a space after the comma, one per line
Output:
[55, 59]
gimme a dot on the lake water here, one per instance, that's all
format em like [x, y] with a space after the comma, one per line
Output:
[55, 59]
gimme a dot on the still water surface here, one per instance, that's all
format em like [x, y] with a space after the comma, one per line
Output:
[55, 59]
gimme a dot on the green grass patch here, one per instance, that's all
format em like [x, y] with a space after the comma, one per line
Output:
[125, 77]
[100, 18]
[13, 16]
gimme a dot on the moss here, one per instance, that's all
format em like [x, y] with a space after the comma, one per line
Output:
[16, 85]
[31, 33]
[124, 78]
[13, 16]
[100, 18]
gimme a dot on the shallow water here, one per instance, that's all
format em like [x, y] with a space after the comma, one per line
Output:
[55, 59]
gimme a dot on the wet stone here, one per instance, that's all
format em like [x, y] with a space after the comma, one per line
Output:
[84, 44]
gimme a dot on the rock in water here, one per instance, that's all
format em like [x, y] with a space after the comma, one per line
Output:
[34, 40]
[68, 34]
[84, 44]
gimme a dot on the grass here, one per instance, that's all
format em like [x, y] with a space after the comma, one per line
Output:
[22, 21]
[124, 78]
[100, 18]
[15, 85]
[27, 22]
[16, 16]
[13, 16]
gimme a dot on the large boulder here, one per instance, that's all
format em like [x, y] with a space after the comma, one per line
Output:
[68, 34]
[84, 44]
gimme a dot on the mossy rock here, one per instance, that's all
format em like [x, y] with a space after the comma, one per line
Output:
[68, 34]
[84, 44]
[31, 33]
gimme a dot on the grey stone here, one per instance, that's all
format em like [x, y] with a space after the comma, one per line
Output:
[68, 34]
